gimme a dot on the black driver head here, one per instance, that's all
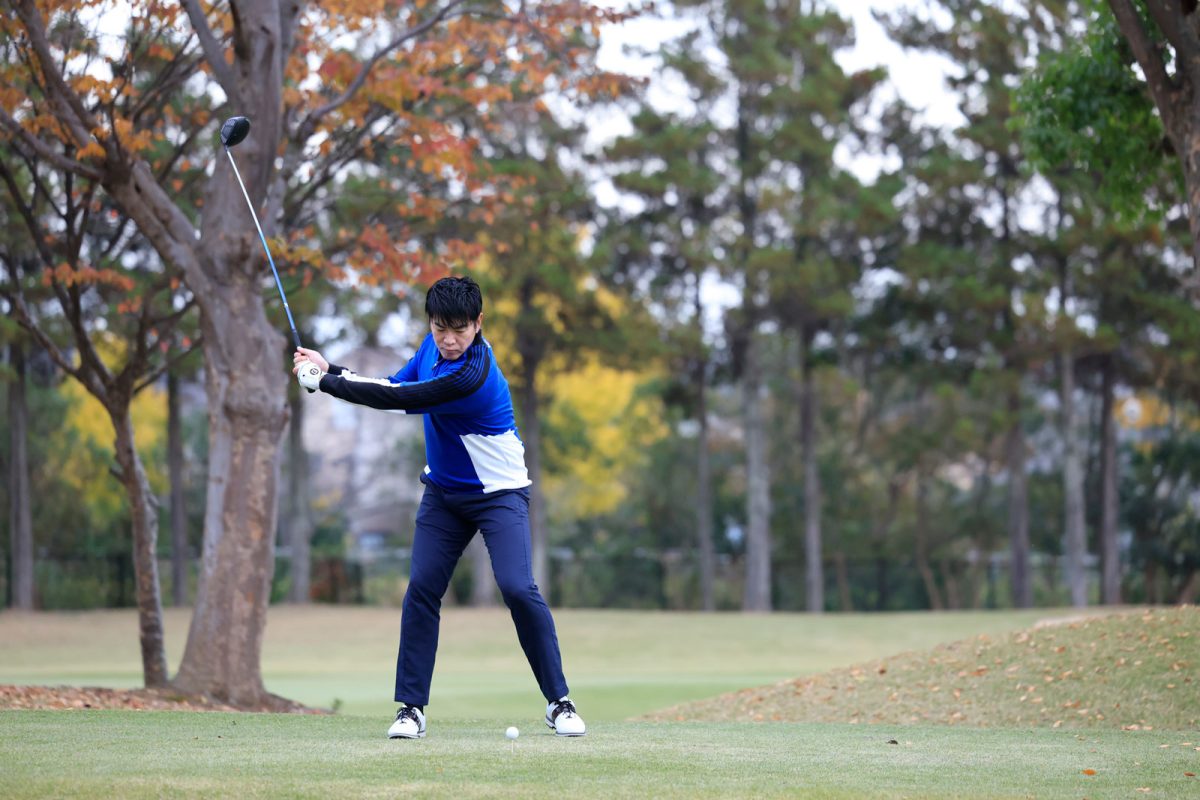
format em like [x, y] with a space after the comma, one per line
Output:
[234, 130]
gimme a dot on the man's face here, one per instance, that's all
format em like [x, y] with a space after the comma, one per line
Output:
[453, 339]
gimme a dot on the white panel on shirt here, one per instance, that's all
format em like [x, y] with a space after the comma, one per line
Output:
[499, 461]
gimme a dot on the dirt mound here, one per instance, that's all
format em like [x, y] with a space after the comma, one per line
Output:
[95, 697]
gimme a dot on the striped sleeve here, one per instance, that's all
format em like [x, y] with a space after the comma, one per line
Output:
[421, 397]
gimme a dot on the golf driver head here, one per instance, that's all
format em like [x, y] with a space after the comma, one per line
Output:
[234, 130]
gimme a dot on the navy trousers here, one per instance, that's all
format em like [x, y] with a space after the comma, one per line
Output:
[445, 525]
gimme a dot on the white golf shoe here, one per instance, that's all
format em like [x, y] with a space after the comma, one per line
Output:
[409, 724]
[563, 719]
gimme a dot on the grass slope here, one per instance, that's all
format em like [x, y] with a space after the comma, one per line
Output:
[1136, 671]
[132, 754]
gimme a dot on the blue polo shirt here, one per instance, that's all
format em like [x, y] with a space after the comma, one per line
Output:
[471, 441]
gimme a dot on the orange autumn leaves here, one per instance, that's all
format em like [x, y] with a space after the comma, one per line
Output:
[410, 89]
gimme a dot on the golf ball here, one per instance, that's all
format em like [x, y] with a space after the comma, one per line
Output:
[512, 732]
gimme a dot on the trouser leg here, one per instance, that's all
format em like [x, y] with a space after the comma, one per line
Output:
[438, 543]
[505, 528]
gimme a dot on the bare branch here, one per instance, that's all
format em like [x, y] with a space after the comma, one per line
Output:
[35, 231]
[213, 53]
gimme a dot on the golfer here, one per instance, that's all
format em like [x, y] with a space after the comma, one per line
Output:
[475, 480]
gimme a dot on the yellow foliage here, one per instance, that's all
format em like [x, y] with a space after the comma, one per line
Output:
[618, 429]
[1148, 410]
[81, 452]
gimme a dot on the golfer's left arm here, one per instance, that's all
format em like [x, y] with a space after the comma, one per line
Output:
[435, 395]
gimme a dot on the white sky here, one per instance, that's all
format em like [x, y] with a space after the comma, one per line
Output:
[915, 77]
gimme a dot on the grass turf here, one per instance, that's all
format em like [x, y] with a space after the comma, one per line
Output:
[620, 663]
[1135, 670]
[133, 754]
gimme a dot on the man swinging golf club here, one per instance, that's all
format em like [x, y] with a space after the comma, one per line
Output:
[475, 480]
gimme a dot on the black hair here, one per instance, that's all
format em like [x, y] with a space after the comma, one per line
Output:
[454, 301]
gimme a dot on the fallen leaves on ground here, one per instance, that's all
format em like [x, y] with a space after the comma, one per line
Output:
[94, 697]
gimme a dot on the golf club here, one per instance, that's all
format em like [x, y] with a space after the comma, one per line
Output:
[232, 132]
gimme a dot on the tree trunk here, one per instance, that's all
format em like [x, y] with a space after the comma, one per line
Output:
[1187, 591]
[1075, 533]
[845, 598]
[1110, 560]
[757, 593]
[224, 644]
[483, 584]
[1018, 507]
[299, 522]
[704, 521]
[928, 579]
[143, 511]
[246, 369]
[20, 508]
[531, 435]
[175, 473]
[814, 574]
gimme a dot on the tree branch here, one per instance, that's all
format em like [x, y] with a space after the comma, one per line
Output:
[41, 149]
[310, 121]
[1162, 87]
[73, 115]
[213, 53]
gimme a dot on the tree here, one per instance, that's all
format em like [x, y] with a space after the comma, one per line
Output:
[329, 109]
[672, 165]
[20, 499]
[1162, 35]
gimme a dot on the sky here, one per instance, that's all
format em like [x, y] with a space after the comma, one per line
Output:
[915, 77]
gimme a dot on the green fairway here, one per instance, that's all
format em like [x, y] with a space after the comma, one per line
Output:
[140, 754]
[620, 663]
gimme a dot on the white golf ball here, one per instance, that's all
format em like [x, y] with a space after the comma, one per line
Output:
[512, 732]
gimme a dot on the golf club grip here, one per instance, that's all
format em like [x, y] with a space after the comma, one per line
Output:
[296, 341]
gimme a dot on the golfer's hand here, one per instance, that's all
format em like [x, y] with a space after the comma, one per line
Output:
[303, 354]
[309, 375]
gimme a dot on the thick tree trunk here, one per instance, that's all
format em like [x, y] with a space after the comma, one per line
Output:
[246, 369]
[20, 507]
[814, 573]
[299, 522]
[1110, 560]
[224, 645]
[143, 511]
[757, 593]
[1018, 507]
[175, 477]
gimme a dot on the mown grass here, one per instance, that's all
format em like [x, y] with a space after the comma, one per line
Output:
[131, 754]
[619, 663]
[1138, 670]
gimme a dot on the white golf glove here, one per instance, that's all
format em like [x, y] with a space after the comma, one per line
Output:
[309, 375]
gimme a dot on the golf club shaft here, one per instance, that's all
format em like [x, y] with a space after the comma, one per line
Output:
[278, 284]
